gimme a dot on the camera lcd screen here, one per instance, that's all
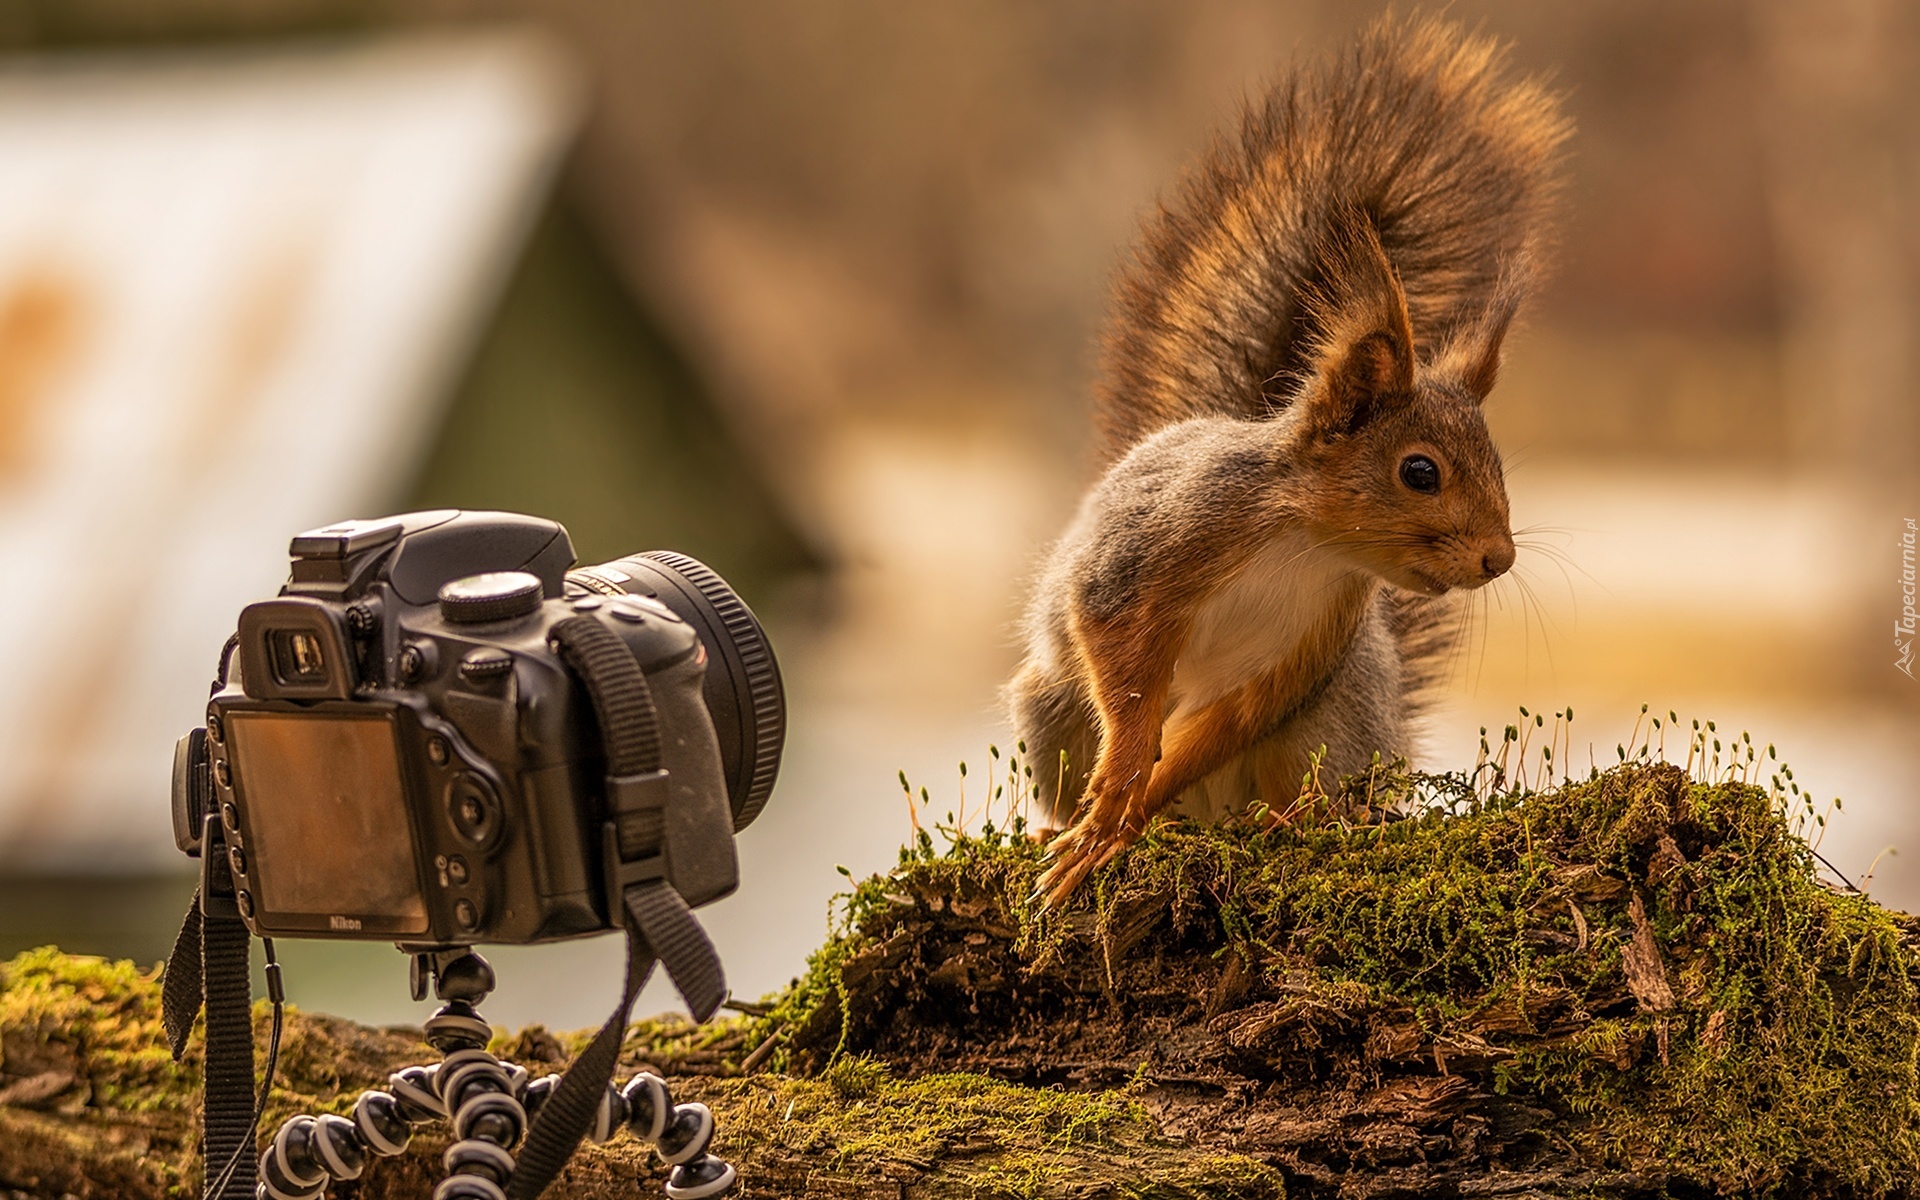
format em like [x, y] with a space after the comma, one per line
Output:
[326, 817]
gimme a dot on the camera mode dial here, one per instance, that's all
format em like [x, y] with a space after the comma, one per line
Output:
[493, 596]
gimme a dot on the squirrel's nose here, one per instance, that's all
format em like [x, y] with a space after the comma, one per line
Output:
[1494, 563]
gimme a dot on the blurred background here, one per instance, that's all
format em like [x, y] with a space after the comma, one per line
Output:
[811, 291]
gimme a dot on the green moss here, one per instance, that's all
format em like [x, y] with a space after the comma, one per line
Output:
[91, 1030]
[1810, 1065]
[1769, 1049]
[967, 1134]
[97, 1020]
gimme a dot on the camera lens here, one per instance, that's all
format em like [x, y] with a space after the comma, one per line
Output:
[743, 690]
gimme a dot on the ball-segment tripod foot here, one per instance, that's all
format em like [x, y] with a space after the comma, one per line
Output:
[489, 1104]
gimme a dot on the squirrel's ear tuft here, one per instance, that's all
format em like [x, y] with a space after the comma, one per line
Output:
[1363, 352]
[1473, 356]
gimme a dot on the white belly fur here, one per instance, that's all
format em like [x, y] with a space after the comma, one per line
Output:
[1255, 620]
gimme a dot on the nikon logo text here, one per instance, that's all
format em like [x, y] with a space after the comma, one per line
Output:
[345, 924]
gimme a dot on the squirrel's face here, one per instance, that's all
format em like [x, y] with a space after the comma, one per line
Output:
[1415, 493]
[1407, 483]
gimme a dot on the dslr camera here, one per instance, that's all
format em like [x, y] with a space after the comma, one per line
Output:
[408, 744]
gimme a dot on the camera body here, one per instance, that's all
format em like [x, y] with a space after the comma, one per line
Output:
[397, 751]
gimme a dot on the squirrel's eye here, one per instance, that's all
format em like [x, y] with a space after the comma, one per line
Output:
[1418, 472]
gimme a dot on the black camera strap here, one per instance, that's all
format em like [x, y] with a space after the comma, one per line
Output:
[660, 926]
[211, 964]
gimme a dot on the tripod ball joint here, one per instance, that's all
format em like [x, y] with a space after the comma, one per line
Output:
[292, 1168]
[476, 1170]
[648, 1106]
[419, 1100]
[382, 1126]
[457, 1026]
[478, 1091]
[536, 1093]
[341, 1150]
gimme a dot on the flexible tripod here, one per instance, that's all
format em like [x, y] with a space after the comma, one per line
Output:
[489, 1104]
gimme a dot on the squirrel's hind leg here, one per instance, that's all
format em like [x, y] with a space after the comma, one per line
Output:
[1053, 716]
[1224, 792]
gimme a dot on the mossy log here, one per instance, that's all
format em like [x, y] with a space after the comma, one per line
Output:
[92, 1106]
[1631, 987]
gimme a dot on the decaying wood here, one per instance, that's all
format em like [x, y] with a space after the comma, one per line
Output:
[1645, 967]
[77, 1121]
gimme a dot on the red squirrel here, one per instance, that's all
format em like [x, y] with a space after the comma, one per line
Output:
[1297, 471]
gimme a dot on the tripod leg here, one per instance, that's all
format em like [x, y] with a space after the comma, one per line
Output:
[489, 1104]
[680, 1132]
[469, 1087]
[488, 1121]
[309, 1153]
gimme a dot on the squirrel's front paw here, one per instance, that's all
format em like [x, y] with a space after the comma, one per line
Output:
[1083, 849]
[1074, 858]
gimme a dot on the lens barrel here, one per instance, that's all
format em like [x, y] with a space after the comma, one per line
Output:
[743, 691]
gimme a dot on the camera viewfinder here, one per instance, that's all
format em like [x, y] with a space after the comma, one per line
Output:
[297, 657]
[294, 648]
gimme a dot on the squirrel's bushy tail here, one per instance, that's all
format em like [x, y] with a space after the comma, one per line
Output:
[1415, 129]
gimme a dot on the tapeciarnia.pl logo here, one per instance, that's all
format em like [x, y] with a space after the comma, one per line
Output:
[1903, 626]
